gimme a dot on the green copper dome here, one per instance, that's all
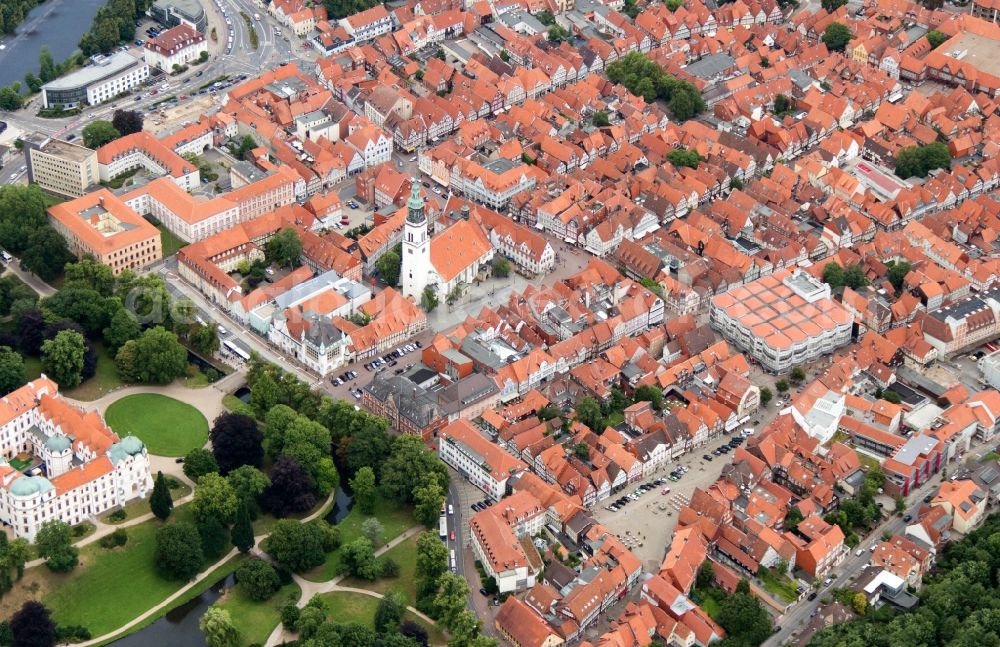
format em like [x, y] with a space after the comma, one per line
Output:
[24, 486]
[58, 444]
[131, 445]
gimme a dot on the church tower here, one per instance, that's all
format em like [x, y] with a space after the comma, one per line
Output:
[416, 265]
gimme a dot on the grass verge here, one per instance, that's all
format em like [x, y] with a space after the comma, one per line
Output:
[104, 381]
[256, 620]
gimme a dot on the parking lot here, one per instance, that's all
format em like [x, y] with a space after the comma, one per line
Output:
[645, 523]
[396, 360]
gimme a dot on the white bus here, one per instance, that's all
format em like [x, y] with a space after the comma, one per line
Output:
[236, 350]
[453, 567]
[443, 527]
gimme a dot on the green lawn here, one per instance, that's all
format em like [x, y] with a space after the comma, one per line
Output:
[32, 367]
[111, 587]
[256, 620]
[395, 519]
[779, 586]
[168, 427]
[405, 554]
[710, 606]
[232, 403]
[357, 607]
[105, 380]
[170, 243]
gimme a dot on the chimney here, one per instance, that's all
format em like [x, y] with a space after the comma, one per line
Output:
[465, 212]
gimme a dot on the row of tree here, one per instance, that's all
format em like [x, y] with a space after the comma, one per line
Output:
[114, 23]
[647, 79]
[25, 231]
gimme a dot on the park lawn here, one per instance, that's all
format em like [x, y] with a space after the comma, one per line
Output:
[140, 507]
[346, 606]
[168, 427]
[232, 403]
[395, 518]
[110, 587]
[405, 554]
[256, 620]
[105, 380]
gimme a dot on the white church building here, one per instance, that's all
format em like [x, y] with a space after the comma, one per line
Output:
[450, 260]
[60, 462]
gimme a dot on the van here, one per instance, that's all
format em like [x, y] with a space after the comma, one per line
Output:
[6, 257]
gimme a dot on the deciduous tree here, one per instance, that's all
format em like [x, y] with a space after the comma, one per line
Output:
[292, 489]
[127, 122]
[32, 626]
[214, 498]
[363, 487]
[236, 441]
[199, 462]
[284, 248]
[54, 543]
[257, 579]
[241, 534]
[98, 133]
[62, 358]
[12, 373]
[218, 627]
[178, 551]
[296, 546]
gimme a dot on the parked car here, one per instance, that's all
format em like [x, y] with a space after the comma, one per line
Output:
[706, 457]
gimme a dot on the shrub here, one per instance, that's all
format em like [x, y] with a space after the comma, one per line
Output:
[117, 516]
[118, 538]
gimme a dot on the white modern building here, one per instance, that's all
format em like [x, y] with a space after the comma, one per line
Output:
[62, 463]
[96, 83]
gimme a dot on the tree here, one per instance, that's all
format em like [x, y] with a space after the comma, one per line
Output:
[854, 277]
[600, 119]
[582, 451]
[797, 375]
[31, 626]
[363, 487]
[408, 465]
[158, 357]
[249, 483]
[783, 104]
[897, 274]
[54, 543]
[214, 538]
[62, 358]
[833, 275]
[388, 266]
[651, 394]
[47, 68]
[432, 561]
[921, 160]
[684, 157]
[368, 445]
[415, 632]
[160, 501]
[836, 36]
[123, 328]
[98, 133]
[177, 554]
[832, 5]
[10, 97]
[891, 396]
[588, 411]
[127, 122]
[205, 339]
[296, 546]
[743, 617]
[428, 499]
[199, 462]
[501, 267]
[428, 299]
[241, 534]
[12, 374]
[389, 612]
[935, 38]
[218, 628]
[358, 558]
[257, 579]
[781, 385]
[765, 396]
[284, 248]
[214, 498]
[292, 489]
[372, 530]
[449, 602]
[236, 441]
[548, 412]
[45, 253]
[706, 575]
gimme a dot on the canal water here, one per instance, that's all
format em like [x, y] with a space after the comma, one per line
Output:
[180, 626]
[57, 23]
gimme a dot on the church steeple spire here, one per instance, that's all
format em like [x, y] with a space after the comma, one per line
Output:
[415, 205]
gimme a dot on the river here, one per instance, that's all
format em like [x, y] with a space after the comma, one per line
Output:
[57, 23]
[180, 625]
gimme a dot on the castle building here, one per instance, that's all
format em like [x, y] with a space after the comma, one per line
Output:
[58, 462]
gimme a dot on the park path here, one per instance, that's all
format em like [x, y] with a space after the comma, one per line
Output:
[166, 604]
[206, 399]
[310, 588]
